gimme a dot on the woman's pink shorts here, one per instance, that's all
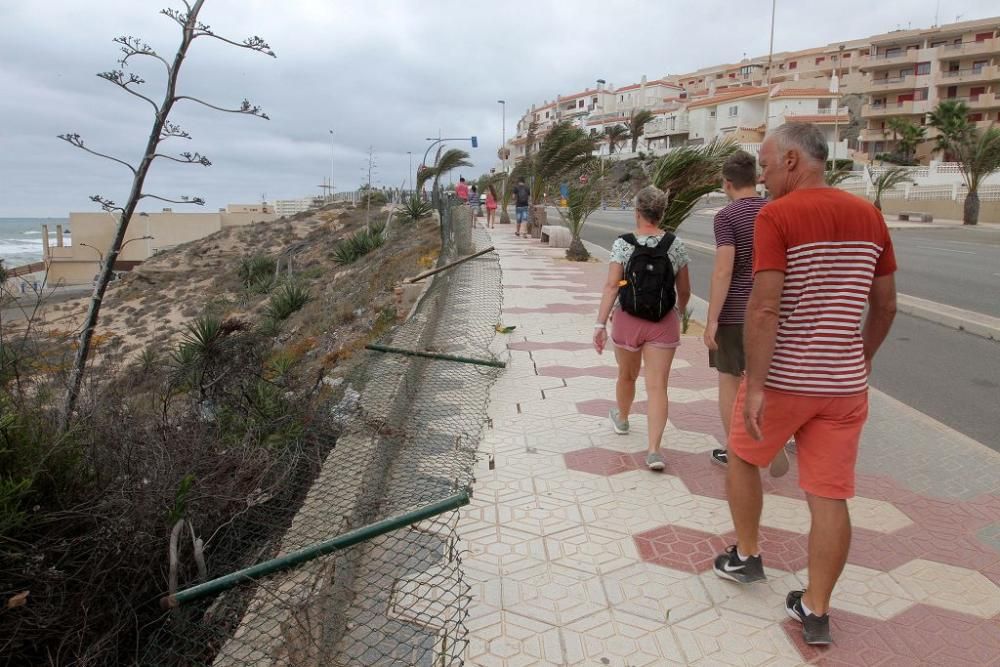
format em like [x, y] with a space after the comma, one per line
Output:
[631, 333]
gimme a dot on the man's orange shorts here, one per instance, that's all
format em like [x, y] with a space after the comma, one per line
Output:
[827, 431]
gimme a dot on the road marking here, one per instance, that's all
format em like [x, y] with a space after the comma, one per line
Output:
[962, 252]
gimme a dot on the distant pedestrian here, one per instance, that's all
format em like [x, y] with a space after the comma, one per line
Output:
[522, 200]
[646, 328]
[491, 206]
[462, 190]
[821, 255]
[474, 203]
[732, 279]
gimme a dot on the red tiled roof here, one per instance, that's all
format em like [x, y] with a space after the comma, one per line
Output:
[658, 82]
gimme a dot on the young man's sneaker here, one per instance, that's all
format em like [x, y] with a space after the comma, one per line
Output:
[779, 464]
[620, 425]
[815, 629]
[720, 456]
[654, 461]
[729, 566]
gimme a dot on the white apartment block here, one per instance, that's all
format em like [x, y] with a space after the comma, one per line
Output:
[283, 207]
[902, 73]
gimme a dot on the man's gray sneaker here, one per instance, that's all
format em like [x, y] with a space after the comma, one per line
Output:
[729, 566]
[779, 464]
[815, 629]
[620, 425]
[654, 461]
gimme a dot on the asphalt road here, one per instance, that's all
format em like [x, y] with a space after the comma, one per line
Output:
[952, 376]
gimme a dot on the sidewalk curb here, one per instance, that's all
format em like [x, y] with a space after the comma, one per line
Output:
[959, 319]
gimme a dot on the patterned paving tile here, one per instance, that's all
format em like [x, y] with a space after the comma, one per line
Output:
[878, 551]
[679, 548]
[656, 593]
[947, 547]
[600, 461]
[502, 551]
[877, 515]
[763, 599]
[555, 594]
[720, 636]
[572, 485]
[505, 639]
[867, 592]
[591, 549]
[780, 549]
[618, 638]
[949, 587]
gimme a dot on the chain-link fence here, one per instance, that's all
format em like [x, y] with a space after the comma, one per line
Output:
[411, 426]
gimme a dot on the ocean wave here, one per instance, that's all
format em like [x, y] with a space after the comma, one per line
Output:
[32, 233]
[7, 245]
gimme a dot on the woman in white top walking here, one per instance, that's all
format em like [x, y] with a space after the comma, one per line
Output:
[638, 341]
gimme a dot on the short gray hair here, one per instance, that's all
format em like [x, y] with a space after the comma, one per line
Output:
[804, 136]
[650, 202]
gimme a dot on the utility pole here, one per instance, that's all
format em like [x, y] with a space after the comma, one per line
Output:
[333, 189]
[836, 106]
[767, 79]
[368, 195]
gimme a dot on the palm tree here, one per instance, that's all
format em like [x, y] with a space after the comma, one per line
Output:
[453, 158]
[580, 203]
[687, 174]
[978, 157]
[636, 125]
[835, 177]
[615, 135]
[951, 119]
[566, 149]
[887, 180]
[908, 135]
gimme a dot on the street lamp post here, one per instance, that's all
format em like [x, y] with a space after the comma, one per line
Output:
[503, 132]
[836, 107]
[333, 190]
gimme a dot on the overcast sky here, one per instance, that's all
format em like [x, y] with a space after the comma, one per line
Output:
[382, 74]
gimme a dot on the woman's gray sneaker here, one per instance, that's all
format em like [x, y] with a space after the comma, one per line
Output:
[654, 461]
[620, 425]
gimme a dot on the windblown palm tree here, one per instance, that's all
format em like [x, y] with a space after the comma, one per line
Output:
[453, 158]
[978, 157]
[636, 125]
[951, 119]
[687, 174]
[565, 149]
[581, 201]
[887, 180]
[615, 135]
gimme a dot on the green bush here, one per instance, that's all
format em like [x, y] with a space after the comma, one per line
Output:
[414, 209]
[288, 299]
[257, 273]
[359, 244]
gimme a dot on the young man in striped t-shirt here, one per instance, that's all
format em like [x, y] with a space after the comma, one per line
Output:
[732, 278]
[820, 256]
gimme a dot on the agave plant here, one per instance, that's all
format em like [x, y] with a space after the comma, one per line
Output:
[581, 201]
[415, 208]
[687, 174]
[289, 299]
[636, 125]
[887, 180]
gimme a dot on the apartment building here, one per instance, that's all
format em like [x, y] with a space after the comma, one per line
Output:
[909, 72]
[148, 234]
[283, 207]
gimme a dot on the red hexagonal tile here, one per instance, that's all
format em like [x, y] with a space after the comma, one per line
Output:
[780, 549]
[879, 551]
[600, 461]
[704, 478]
[700, 417]
[921, 635]
[679, 548]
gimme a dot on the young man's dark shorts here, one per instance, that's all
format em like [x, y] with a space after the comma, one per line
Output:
[729, 358]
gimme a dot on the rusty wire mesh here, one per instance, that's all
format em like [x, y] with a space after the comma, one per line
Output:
[411, 428]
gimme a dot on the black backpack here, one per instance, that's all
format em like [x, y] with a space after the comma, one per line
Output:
[648, 291]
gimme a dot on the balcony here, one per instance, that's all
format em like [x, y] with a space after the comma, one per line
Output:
[874, 135]
[908, 108]
[984, 101]
[971, 75]
[663, 127]
[985, 47]
[881, 61]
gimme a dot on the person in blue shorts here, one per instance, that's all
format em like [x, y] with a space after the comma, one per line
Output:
[522, 200]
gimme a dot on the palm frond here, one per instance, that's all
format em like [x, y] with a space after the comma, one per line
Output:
[581, 201]
[687, 174]
[636, 125]
[566, 149]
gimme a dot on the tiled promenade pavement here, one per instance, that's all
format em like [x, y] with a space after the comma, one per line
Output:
[578, 555]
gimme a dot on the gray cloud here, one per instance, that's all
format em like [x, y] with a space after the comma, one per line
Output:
[379, 73]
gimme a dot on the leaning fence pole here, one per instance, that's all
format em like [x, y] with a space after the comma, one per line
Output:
[338, 543]
[436, 355]
[450, 265]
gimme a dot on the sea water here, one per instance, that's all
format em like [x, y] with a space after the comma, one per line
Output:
[21, 239]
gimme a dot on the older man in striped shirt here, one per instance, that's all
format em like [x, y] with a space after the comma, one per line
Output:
[820, 256]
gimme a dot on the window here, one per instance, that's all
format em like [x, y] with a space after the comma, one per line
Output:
[794, 64]
[975, 117]
[732, 75]
[718, 76]
[974, 93]
[978, 66]
[922, 68]
[903, 73]
[983, 36]
[733, 111]
[711, 114]
[893, 52]
[593, 100]
[934, 45]
[920, 94]
[819, 60]
[579, 104]
[847, 55]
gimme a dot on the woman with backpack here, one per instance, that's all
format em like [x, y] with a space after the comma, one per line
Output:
[647, 285]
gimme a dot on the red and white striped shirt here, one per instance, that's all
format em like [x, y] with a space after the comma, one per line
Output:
[830, 245]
